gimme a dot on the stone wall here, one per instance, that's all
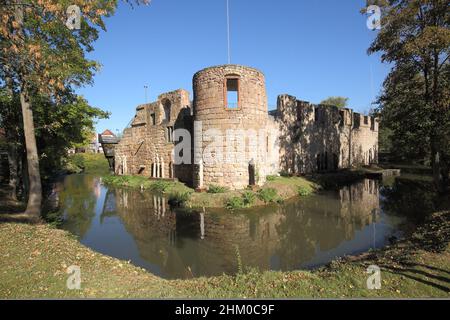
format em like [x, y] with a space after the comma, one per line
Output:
[323, 138]
[221, 126]
[147, 146]
[239, 144]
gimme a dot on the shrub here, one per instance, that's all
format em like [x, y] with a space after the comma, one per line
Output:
[179, 199]
[114, 180]
[216, 189]
[304, 192]
[268, 195]
[160, 186]
[285, 174]
[248, 198]
[271, 178]
[77, 160]
[235, 203]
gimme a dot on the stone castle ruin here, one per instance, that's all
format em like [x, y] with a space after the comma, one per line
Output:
[226, 135]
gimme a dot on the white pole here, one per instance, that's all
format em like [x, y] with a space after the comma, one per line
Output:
[228, 32]
[145, 89]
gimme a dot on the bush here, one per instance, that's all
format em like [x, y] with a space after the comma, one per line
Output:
[217, 189]
[235, 203]
[304, 192]
[115, 180]
[160, 186]
[248, 198]
[268, 195]
[271, 178]
[179, 199]
[285, 174]
[77, 160]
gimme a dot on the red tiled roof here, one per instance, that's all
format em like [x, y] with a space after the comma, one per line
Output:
[107, 132]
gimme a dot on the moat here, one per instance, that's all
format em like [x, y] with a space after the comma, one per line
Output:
[302, 233]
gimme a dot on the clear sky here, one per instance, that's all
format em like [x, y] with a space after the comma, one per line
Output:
[311, 49]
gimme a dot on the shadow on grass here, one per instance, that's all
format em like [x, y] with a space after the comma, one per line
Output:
[420, 276]
[432, 236]
[12, 211]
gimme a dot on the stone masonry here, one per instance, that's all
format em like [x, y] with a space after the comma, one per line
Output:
[316, 138]
[231, 139]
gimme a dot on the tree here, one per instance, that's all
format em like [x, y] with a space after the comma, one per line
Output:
[415, 39]
[39, 54]
[10, 120]
[59, 127]
[340, 102]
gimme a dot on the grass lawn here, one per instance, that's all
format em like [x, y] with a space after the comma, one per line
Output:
[34, 260]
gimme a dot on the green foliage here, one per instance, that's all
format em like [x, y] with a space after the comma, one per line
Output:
[271, 178]
[285, 174]
[127, 181]
[58, 127]
[248, 198]
[235, 203]
[268, 195]
[414, 105]
[160, 186]
[385, 139]
[179, 198]
[76, 162]
[217, 189]
[88, 163]
[304, 192]
[340, 102]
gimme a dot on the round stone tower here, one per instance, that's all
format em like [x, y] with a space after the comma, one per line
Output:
[231, 121]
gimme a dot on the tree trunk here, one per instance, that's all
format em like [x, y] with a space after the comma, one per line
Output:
[34, 176]
[13, 170]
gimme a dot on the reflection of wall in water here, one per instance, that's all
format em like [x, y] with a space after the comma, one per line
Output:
[172, 240]
[151, 224]
[360, 203]
[255, 237]
[323, 223]
[283, 237]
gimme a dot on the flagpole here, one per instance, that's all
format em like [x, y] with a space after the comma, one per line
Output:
[228, 32]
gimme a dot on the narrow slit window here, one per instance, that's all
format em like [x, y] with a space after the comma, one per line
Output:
[341, 118]
[232, 94]
[316, 114]
[153, 119]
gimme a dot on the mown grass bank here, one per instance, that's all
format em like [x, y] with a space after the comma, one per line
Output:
[34, 260]
[277, 189]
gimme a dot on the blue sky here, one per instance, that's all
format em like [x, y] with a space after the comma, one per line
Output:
[309, 49]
